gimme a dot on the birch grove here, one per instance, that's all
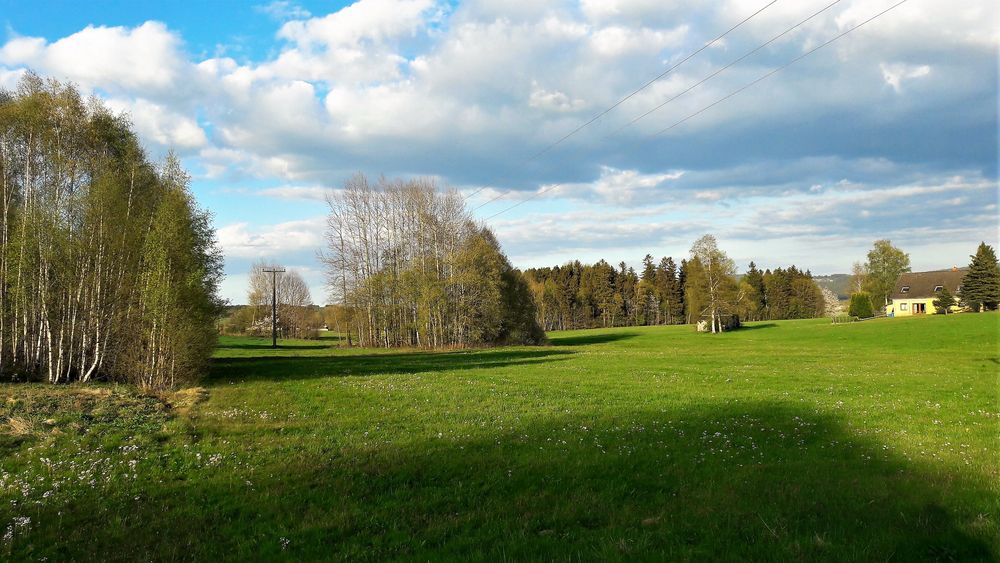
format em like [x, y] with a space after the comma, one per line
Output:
[412, 269]
[107, 269]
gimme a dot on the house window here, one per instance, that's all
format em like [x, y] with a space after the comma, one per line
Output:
[905, 289]
[902, 306]
[938, 288]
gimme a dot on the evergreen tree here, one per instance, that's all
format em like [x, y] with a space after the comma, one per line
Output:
[756, 292]
[944, 301]
[981, 285]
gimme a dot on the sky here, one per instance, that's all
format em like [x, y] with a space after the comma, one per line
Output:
[890, 131]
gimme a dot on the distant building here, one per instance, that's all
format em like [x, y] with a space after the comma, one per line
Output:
[916, 291]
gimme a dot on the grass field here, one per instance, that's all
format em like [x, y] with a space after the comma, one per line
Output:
[794, 440]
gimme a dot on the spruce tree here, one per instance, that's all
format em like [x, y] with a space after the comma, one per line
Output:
[981, 286]
[944, 302]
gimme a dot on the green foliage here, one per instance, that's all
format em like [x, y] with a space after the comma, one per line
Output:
[787, 440]
[427, 276]
[577, 295]
[107, 268]
[861, 306]
[884, 266]
[981, 286]
[944, 301]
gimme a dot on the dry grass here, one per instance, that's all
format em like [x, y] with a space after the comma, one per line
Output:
[184, 400]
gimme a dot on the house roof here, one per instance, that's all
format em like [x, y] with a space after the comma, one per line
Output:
[922, 284]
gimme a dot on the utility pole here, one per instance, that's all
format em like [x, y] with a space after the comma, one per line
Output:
[274, 303]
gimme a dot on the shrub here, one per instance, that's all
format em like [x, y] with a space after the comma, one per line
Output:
[861, 305]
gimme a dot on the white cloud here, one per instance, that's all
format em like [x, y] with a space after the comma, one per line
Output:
[554, 100]
[618, 40]
[618, 187]
[375, 20]
[895, 73]
[417, 87]
[307, 193]
[282, 10]
[245, 241]
[147, 57]
[161, 125]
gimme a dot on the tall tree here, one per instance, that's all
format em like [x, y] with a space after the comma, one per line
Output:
[107, 267]
[756, 294]
[981, 285]
[414, 270]
[859, 272]
[715, 286]
[884, 266]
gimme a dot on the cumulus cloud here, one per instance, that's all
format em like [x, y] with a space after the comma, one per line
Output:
[147, 57]
[161, 125]
[242, 240]
[469, 92]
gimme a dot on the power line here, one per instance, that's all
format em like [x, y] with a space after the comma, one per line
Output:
[650, 83]
[779, 69]
[629, 96]
[734, 62]
[726, 97]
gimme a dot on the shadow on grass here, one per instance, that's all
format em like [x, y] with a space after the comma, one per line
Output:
[587, 339]
[745, 482]
[254, 346]
[291, 367]
[757, 325]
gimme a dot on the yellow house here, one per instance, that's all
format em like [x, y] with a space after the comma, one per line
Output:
[915, 292]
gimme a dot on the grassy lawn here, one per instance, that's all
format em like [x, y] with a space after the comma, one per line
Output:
[792, 440]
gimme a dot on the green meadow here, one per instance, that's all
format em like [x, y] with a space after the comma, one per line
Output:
[796, 440]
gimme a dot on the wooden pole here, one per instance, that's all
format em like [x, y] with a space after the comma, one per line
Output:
[274, 304]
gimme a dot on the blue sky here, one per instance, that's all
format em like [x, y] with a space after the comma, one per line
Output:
[890, 132]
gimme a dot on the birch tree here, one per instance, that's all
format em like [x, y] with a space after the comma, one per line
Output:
[107, 268]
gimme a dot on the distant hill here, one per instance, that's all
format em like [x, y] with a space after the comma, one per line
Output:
[837, 283]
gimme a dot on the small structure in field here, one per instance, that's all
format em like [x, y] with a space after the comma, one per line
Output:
[732, 322]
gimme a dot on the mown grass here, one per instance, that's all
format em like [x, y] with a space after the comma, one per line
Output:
[790, 440]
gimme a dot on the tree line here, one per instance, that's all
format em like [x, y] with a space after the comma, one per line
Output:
[108, 270]
[702, 286]
[411, 268]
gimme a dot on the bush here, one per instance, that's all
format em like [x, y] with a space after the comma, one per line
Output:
[861, 305]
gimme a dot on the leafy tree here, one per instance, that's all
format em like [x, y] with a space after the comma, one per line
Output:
[944, 301]
[861, 305]
[107, 267]
[414, 270]
[884, 266]
[715, 286]
[981, 285]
